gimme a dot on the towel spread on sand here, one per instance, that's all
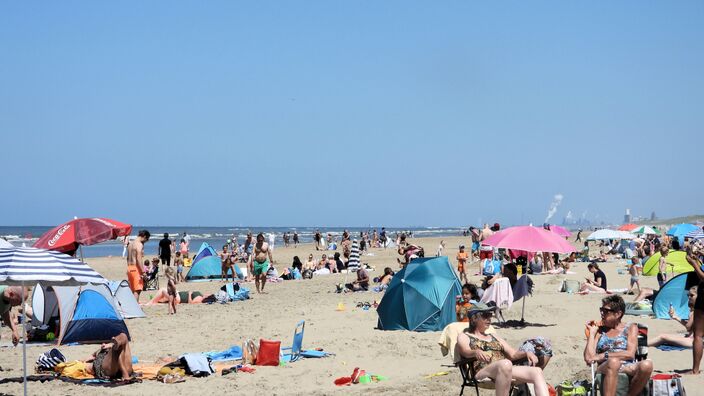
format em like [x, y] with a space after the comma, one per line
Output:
[666, 347]
[234, 353]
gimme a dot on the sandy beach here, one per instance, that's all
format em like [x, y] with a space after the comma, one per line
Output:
[406, 358]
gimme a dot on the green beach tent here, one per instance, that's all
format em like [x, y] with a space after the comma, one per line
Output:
[676, 257]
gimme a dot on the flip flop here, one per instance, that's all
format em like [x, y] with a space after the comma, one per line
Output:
[343, 381]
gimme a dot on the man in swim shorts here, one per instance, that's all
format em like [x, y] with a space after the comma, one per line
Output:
[113, 360]
[259, 262]
[135, 268]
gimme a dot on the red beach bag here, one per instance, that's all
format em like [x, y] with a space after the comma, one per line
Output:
[269, 352]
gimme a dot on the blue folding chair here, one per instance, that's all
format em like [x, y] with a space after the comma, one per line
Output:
[297, 345]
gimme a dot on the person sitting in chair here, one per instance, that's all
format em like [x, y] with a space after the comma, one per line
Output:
[612, 345]
[493, 357]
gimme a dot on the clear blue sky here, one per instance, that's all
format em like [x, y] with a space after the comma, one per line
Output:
[349, 112]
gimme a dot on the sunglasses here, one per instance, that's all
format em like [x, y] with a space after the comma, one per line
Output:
[604, 311]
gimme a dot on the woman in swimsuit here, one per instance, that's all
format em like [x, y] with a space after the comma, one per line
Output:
[493, 356]
[613, 347]
[685, 340]
[182, 297]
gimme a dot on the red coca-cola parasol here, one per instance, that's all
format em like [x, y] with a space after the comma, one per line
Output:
[67, 237]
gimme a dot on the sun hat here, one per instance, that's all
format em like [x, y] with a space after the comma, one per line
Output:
[479, 308]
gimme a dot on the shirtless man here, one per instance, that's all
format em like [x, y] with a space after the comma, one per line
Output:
[113, 360]
[259, 262]
[135, 268]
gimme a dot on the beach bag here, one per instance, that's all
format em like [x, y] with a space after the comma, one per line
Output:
[269, 353]
[249, 352]
[296, 274]
[491, 267]
[569, 286]
[308, 274]
[667, 385]
[50, 359]
[568, 388]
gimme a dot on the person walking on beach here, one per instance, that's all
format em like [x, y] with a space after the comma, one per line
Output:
[318, 238]
[259, 262]
[295, 238]
[165, 250]
[135, 268]
[272, 240]
[286, 239]
[171, 289]
[579, 235]
[382, 237]
[227, 264]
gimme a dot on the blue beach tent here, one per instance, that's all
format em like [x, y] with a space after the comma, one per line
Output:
[680, 230]
[675, 292]
[85, 314]
[420, 297]
[207, 265]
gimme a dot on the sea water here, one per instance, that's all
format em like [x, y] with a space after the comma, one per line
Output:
[215, 236]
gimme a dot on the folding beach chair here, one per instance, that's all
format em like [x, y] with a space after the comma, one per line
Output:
[624, 380]
[466, 368]
[297, 344]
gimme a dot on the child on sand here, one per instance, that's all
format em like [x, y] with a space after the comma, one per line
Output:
[178, 262]
[634, 270]
[462, 258]
[171, 289]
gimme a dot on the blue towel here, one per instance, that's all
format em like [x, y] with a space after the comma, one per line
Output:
[234, 353]
[666, 347]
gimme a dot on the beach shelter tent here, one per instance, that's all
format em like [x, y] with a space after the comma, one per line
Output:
[605, 233]
[86, 314]
[124, 299]
[627, 227]
[677, 258]
[420, 297]
[680, 230]
[674, 293]
[645, 230]
[207, 265]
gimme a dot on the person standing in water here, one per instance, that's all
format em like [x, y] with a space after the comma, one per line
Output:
[259, 262]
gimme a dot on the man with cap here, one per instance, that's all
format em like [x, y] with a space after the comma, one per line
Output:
[492, 357]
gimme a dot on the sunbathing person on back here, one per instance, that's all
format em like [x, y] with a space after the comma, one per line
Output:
[493, 357]
[182, 297]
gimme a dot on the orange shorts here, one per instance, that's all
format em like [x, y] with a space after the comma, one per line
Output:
[460, 267]
[134, 278]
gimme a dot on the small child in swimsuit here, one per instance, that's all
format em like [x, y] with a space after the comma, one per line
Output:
[634, 270]
[171, 289]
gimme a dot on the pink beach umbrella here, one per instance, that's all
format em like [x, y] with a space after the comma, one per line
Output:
[561, 231]
[529, 239]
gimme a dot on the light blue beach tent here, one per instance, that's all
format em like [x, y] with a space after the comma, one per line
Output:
[420, 297]
[206, 265]
[674, 293]
[680, 230]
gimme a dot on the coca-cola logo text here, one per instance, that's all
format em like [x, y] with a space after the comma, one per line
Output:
[60, 232]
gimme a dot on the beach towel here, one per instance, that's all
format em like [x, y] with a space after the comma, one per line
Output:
[667, 347]
[75, 369]
[500, 293]
[233, 353]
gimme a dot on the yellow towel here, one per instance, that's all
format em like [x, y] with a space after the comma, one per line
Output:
[75, 370]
